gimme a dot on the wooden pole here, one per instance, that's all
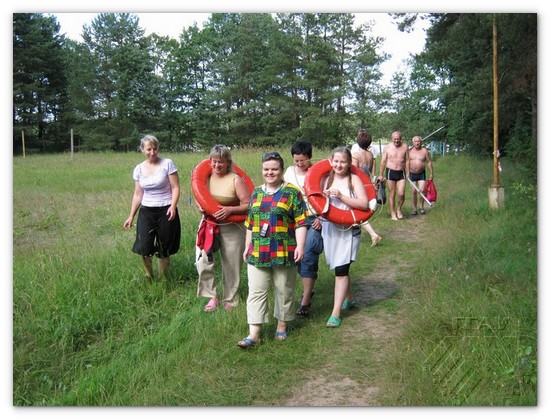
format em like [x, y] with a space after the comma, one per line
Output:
[72, 143]
[23, 141]
[496, 192]
[495, 105]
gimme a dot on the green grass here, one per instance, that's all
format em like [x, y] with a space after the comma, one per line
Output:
[87, 332]
[471, 334]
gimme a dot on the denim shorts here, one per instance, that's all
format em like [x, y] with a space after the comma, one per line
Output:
[309, 265]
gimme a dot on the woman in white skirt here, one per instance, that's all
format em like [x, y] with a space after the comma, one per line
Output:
[344, 190]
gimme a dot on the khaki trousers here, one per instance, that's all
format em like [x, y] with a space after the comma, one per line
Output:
[232, 237]
[284, 284]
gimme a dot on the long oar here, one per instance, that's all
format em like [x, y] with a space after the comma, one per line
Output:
[432, 133]
[421, 194]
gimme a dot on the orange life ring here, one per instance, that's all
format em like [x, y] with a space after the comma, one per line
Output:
[199, 186]
[319, 202]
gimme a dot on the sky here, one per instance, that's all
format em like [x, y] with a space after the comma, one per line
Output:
[400, 45]
[8, 7]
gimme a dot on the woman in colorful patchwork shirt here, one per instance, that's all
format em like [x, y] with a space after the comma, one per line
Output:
[275, 239]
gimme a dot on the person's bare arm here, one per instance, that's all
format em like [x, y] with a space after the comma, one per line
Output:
[136, 203]
[383, 163]
[429, 164]
[175, 184]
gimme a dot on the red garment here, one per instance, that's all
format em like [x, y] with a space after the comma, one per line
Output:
[207, 237]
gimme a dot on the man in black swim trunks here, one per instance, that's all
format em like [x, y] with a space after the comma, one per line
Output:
[419, 158]
[395, 160]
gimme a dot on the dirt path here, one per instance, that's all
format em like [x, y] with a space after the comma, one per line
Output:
[329, 384]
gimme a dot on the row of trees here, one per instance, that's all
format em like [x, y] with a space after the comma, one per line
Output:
[242, 78]
[259, 79]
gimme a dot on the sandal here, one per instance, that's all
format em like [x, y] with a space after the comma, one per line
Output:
[211, 306]
[303, 310]
[333, 322]
[302, 297]
[280, 335]
[347, 304]
[246, 343]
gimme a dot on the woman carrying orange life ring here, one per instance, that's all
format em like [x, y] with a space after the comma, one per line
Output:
[199, 186]
[314, 191]
[345, 191]
[222, 190]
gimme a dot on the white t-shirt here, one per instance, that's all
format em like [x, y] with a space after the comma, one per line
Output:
[157, 191]
[291, 176]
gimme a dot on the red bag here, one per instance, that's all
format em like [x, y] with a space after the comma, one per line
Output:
[431, 191]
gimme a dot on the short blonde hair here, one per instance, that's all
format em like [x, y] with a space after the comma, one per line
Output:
[149, 139]
[221, 152]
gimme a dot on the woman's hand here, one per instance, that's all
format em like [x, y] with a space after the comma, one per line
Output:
[332, 193]
[171, 213]
[298, 254]
[128, 223]
[317, 225]
[222, 213]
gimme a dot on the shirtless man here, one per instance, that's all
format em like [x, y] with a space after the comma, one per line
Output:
[419, 158]
[395, 159]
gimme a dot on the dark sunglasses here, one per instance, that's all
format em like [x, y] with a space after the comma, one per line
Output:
[271, 156]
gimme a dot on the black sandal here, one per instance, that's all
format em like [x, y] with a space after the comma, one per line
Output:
[303, 310]
[302, 297]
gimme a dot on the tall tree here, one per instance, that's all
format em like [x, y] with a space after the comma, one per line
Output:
[39, 79]
[123, 85]
[246, 65]
[366, 94]
[459, 52]
[192, 88]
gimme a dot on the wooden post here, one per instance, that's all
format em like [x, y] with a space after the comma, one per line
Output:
[496, 193]
[495, 105]
[72, 144]
[23, 141]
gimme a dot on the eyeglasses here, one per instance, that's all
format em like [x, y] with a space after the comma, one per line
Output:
[297, 162]
[271, 156]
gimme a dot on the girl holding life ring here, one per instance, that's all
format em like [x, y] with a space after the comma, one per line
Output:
[345, 191]
[222, 194]
[313, 186]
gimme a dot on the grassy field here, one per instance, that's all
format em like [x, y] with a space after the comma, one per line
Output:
[88, 332]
